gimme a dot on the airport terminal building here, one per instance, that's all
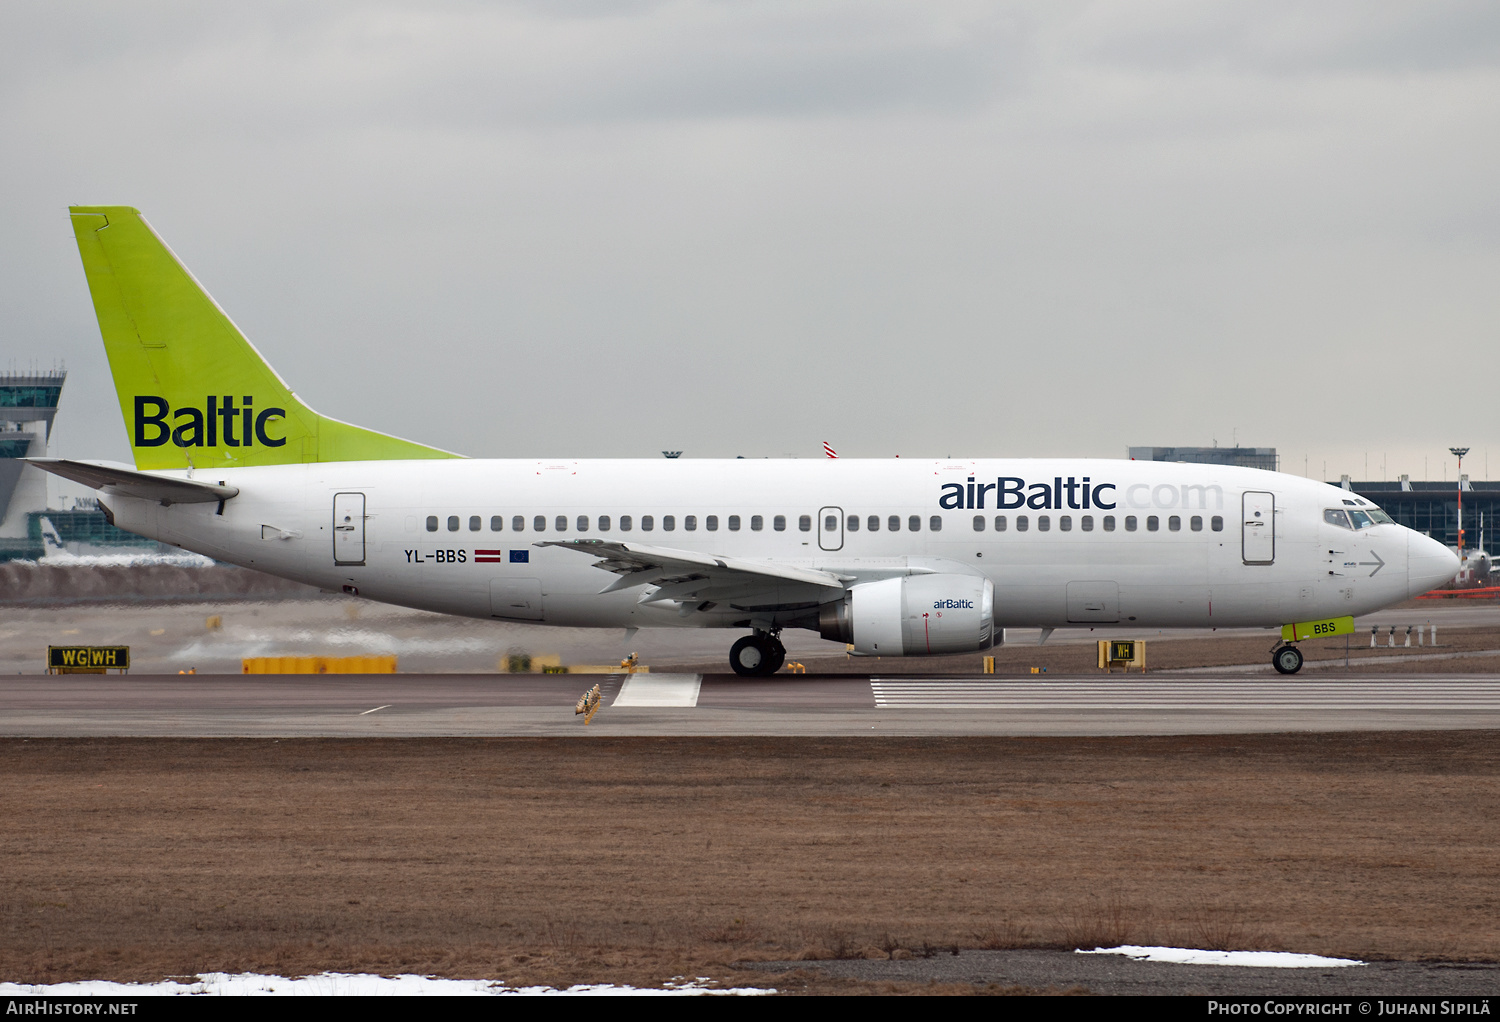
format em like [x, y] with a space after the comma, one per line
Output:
[1430, 508]
[28, 406]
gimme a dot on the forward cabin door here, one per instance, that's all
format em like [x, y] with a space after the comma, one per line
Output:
[348, 528]
[1258, 528]
[830, 526]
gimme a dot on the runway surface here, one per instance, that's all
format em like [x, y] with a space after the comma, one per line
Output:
[691, 704]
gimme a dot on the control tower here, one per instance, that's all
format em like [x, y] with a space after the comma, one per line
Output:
[28, 404]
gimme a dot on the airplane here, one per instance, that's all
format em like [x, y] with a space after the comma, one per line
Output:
[893, 557]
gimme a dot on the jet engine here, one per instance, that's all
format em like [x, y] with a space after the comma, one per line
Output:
[913, 616]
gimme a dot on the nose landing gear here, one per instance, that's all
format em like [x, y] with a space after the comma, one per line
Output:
[757, 655]
[1286, 659]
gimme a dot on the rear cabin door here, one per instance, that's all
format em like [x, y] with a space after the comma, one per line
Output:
[1258, 528]
[348, 528]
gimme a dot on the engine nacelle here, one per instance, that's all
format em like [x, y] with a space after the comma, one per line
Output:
[914, 615]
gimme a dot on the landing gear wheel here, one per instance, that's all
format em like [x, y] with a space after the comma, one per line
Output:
[778, 657]
[1287, 660]
[752, 655]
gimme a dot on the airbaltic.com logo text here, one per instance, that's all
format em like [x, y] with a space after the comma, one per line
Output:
[1061, 493]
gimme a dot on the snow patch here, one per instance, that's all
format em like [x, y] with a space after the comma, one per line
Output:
[344, 984]
[1190, 956]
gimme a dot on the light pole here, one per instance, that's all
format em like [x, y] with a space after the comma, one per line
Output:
[1459, 452]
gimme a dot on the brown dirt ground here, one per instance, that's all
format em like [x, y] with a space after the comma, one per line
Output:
[636, 860]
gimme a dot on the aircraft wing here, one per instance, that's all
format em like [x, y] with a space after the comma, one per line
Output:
[111, 478]
[685, 576]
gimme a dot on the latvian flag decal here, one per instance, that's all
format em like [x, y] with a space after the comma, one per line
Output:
[488, 556]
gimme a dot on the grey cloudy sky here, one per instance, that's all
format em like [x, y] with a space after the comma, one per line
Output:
[603, 229]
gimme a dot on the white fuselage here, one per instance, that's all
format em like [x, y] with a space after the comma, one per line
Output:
[1097, 559]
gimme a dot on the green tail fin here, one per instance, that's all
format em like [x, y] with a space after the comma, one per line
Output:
[195, 392]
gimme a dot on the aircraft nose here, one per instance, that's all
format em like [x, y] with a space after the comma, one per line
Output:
[1429, 564]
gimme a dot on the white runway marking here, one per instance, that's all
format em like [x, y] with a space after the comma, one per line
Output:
[659, 690]
[1177, 694]
[387, 706]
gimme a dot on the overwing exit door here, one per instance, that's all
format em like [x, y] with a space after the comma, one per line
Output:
[348, 528]
[1258, 527]
[830, 525]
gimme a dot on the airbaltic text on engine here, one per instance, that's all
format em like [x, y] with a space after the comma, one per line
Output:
[1012, 492]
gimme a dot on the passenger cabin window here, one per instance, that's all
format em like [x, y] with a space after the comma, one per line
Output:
[979, 523]
[914, 523]
[1043, 523]
[873, 523]
[583, 523]
[1153, 523]
[1022, 523]
[453, 523]
[1196, 522]
[497, 523]
[626, 523]
[711, 523]
[1130, 523]
[1216, 523]
[690, 523]
[1109, 523]
[1087, 523]
[562, 523]
[853, 523]
[647, 523]
[757, 523]
[539, 523]
[668, 523]
[779, 523]
[474, 523]
[1065, 523]
[734, 523]
[999, 523]
[1174, 523]
[935, 523]
[831, 523]
[893, 523]
[604, 523]
[518, 524]
[432, 523]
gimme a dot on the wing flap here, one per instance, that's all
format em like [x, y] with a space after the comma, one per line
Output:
[687, 574]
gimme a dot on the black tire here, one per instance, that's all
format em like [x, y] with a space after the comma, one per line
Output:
[778, 658]
[1287, 660]
[750, 656]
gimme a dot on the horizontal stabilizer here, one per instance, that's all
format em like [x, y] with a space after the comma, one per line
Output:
[108, 477]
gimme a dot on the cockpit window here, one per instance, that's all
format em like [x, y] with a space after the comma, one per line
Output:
[1355, 519]
[1336, 516]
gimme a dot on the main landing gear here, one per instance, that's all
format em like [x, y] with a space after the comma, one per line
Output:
[757, 655]
[1286, 659]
